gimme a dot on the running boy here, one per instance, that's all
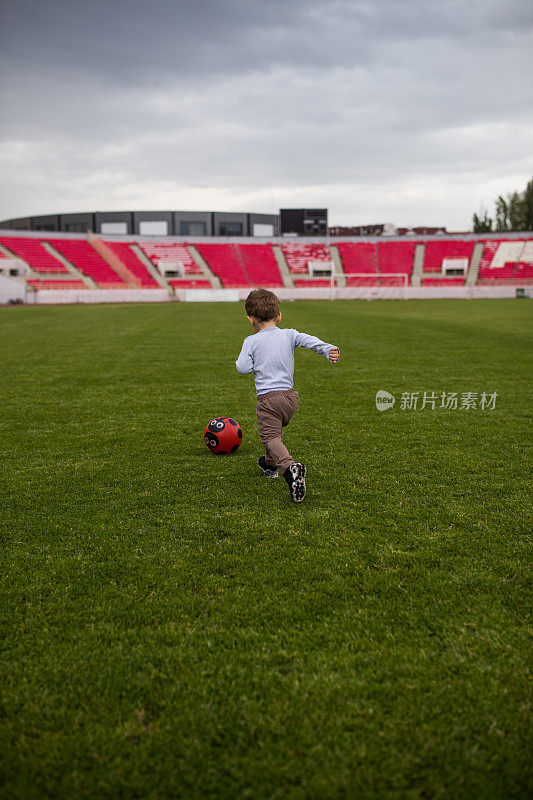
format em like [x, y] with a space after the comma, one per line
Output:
[269, 354]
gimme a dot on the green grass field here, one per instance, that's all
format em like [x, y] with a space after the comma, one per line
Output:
[174, 627]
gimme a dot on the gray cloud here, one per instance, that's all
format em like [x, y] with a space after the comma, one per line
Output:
[420, 107]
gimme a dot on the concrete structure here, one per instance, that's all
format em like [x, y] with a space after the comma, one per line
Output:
[191, 224]
[79, 268]
[304, 221]
[13, 291]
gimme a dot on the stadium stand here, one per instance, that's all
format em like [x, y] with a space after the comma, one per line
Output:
[193, 284]
[56, 284]
[259, 264]
[504, 273]
[124, 252]
[174, 251]
[81, 254]
[370, 280]
[488, 253]
[386, 257]
[506, 260]
[507, 252]
[511, 271]
[360, 257]
[527, 252]
[373, 280]
[524, 270]
[442, 281]
[33, 253]
[237, 265]
[298, 255]
[396, 257]
[323, 283]
[223, 261]
[437, 251]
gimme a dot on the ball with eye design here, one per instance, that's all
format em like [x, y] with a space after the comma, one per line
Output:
[223, 435]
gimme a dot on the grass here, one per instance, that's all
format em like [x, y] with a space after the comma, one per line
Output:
[173, 627]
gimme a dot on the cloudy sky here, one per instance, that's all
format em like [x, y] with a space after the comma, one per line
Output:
[406, 111]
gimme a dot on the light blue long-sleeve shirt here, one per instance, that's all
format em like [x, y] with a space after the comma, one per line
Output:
[269, 354]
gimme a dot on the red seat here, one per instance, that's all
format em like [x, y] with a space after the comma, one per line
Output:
[223, 261]
[259, 264]
[33, 253]
[497, 274]
[298, 254]
[443, 282]
[523, 270]
[193, 284]
[489, 252]
[437, 251]
[382, 257]
[175, 251]
[56, 284]
[323, 283]
[138, 270]
[86, 259]
[396, 257]
[358, 257]
[362, 280]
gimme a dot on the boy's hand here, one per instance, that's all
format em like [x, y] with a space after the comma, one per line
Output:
[334, 355]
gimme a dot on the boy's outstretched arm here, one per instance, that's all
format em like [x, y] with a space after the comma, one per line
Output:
[245, 363]
[329, 351]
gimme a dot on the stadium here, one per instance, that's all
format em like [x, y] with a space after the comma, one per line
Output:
[57, 267]
[177, 624]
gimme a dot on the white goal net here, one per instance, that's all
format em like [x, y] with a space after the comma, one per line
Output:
[369, 286]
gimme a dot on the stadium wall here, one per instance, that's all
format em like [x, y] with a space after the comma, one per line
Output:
[59, 297]
[11, 291]
[71, 296]
[275, 240]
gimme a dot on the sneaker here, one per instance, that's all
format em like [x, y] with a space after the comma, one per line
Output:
[268, 470]
[295, 477]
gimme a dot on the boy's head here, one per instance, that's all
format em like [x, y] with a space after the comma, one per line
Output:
[262, 306]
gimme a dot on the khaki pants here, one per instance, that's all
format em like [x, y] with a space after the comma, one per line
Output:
[274, 411]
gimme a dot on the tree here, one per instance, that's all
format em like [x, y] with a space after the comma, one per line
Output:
[515, 206]
[514, 212]
[482, 224]
[502, 214]
[528, 207]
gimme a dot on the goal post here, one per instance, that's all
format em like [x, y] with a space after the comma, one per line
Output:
[371, 285]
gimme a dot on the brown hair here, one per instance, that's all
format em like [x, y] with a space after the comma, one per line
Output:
[262, 304]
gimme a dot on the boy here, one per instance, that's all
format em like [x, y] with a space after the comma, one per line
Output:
[269, 354]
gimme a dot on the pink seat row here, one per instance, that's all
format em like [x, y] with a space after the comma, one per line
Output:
[59, 283]
[134, 265]
[34, 254]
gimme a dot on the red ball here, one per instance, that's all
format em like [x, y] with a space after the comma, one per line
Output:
[223, 435]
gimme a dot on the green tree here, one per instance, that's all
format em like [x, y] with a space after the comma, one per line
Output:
[483, 223]
[514, 212]
[502, 214]
[528, 207]
[515, 206]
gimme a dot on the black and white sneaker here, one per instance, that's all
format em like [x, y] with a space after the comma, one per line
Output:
[295, 477]
[267, 469]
